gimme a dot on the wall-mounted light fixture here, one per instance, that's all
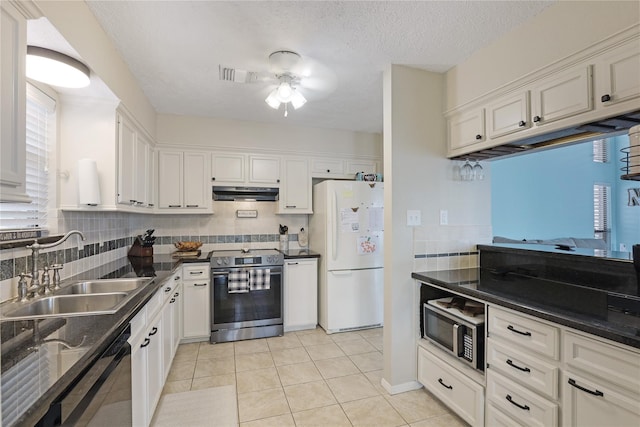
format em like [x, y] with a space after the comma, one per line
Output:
[55, 68]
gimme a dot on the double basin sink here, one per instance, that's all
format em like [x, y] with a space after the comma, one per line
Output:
[80, 298]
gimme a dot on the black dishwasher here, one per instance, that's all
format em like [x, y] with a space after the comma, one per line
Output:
[101, 395]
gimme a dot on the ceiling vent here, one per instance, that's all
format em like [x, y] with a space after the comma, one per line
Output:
[236, 75]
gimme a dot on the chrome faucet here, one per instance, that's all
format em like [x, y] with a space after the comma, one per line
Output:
[36, 287]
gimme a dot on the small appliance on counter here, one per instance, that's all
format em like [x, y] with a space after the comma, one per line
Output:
[143, 245]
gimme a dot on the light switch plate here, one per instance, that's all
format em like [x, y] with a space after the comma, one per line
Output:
[444, 217]
[413, 218]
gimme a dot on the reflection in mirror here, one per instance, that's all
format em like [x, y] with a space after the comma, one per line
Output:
[572, 193]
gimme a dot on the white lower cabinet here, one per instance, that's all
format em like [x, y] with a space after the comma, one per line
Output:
[196, 302]
[152, 350]
[300, 294]
[456, 390]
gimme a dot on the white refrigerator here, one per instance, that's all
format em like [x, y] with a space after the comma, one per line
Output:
[346, 228]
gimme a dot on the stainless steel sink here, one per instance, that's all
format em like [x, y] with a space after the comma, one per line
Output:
[69, 305]
[102, 286]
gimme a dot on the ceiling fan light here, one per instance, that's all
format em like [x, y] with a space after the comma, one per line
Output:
[55, 68]
[272, 100]
[297, 100]
[285, 91]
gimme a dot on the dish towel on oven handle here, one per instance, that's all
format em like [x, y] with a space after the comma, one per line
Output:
[238, 281]
[259, 279]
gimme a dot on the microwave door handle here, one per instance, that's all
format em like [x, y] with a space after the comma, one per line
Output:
[456, 336]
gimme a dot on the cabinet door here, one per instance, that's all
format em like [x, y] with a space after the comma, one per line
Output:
[295, 193]
[327, 168]
[139, 390]
[167, 338]
[618, 75]
[176, 307]
[300, 294]
[13, 47]
[588, 403]
[152, 176]
[466, 129]
[508, 115]
[196, 182]
[563, 95]
[140, 170]
[195, 309]
[170, 177]
[155, 367]
[264, 170]
[127, 149]
[228, 168]
[366, 166]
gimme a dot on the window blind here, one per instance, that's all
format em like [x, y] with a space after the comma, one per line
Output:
[601, 209]
[600, 152]
[40, 134]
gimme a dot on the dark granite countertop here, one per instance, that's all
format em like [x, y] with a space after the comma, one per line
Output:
[300, 253]
[91, 334]
[603, 321]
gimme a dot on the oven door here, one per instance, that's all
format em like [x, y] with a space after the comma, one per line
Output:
[241, 310]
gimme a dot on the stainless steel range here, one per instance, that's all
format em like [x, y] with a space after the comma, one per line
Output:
[246, 294]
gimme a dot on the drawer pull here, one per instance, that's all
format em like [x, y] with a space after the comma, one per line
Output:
[200, 284]
[153, 331]
[510, 363]
[512, 329]
[510, 400]
[145, 343]
[176, 294]
[172, 300]
[450, 387]
[167, 289]
[572, 382]
[193, 273]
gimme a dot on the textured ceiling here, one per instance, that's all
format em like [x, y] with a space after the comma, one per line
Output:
[174, 48]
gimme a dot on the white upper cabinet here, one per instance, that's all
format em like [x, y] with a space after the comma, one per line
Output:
[13, 47]
[228, 168]
[295, 190]
[366, 166]
[327, 168]
[126, 161]
[508, 114]
[264, 170]
[466, 129]
[183, 181]
[562, 95]
[152, 188]
[618, 75]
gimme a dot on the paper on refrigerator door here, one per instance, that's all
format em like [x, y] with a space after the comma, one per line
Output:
[349, 221]
[367, 244]
[376, 219]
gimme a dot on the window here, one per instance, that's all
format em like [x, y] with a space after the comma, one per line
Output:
[600, 152]
[40, 136]
[601, 212]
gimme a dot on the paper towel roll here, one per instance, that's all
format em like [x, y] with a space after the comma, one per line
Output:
[88, 183]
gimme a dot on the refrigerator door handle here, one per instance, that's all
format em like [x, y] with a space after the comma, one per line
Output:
[334, 214]
[342, 273]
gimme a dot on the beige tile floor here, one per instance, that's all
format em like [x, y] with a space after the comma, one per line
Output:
[306, 378]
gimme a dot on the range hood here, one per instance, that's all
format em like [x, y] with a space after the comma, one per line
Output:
[604, 128]
[245, 194]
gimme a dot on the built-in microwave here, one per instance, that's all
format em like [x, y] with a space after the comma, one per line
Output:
[448, 327]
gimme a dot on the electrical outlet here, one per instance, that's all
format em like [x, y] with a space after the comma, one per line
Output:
[413, 218]
[444, 217]
[623, 247]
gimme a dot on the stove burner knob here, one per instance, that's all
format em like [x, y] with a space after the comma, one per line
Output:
[219, 261]
[226, 261]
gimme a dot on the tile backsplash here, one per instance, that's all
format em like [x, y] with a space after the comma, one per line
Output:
[110, 234]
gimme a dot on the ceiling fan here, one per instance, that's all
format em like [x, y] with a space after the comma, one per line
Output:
[292, 79]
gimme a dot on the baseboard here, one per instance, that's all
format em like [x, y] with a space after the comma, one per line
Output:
[400, 388]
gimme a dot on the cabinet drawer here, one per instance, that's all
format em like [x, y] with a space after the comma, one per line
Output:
[497, 418]
[464, 396]
[523, 405]
[531, 371]
[138, 322]
[155, 303]
[525, 332]
[593, 404]
[195, 272]
[613, 364]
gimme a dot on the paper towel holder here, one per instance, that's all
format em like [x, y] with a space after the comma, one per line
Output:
[88, 183]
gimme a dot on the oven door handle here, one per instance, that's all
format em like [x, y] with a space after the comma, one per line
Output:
[221, 273]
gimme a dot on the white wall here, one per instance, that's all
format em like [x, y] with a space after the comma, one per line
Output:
[418, 176]
[558, 31]
[238, 134]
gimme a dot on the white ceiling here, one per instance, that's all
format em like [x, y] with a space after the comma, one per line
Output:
[174, 48]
